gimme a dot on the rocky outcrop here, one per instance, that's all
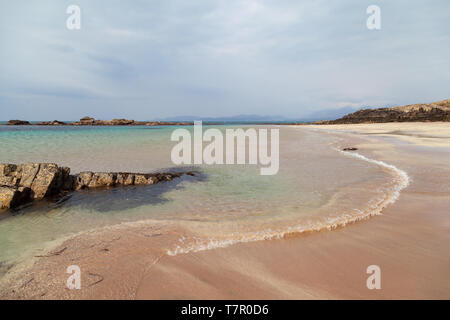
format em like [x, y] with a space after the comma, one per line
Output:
[18, 123]
[23, 183]
[88, 121]
[121, 122]
[436, 111]
[51, 123]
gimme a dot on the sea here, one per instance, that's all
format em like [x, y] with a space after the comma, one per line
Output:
[317, 187]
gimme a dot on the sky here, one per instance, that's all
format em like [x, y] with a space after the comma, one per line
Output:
[152, 59]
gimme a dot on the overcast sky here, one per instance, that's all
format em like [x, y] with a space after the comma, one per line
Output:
[152, 59]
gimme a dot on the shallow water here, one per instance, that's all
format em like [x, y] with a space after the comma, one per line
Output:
[316, 186]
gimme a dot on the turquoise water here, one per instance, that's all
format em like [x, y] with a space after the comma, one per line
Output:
[315, 183]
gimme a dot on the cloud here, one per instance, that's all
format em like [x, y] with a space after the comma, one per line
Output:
[219, 58]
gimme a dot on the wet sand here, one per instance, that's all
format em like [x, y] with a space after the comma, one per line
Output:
[410, 242]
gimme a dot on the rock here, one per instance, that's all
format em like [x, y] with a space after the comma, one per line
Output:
[140, 179]
[350, 149]
[125, 179]
[83, 180]
[18, 123]
[27, 173]
[8, 175]
[121, 122]
[87, 120]
[102, 179]
[20, 184]
[48, 181]
[51, 123]
[12, 197]
[8, 181]
[7, 195]
[152, 180]
[164, 123]
[68, 181]
[7, 169]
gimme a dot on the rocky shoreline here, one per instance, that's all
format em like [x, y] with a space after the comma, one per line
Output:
[24, 183]
[88, 121]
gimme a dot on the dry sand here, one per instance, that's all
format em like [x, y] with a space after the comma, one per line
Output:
[410, 242]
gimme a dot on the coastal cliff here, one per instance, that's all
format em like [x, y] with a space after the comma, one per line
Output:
[436, 111]
[24, 183]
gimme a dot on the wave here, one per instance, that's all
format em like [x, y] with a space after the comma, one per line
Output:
[401, 181]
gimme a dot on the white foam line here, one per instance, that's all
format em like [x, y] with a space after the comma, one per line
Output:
[401, 177]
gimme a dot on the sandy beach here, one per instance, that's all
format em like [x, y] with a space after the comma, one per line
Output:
[410, 242]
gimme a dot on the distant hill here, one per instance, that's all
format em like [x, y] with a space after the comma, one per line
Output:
[237, 118]
[435, 111]
[326, 114]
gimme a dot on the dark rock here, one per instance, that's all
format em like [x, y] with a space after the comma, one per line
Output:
[350, 149]
[18, 123]
[68, 181]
